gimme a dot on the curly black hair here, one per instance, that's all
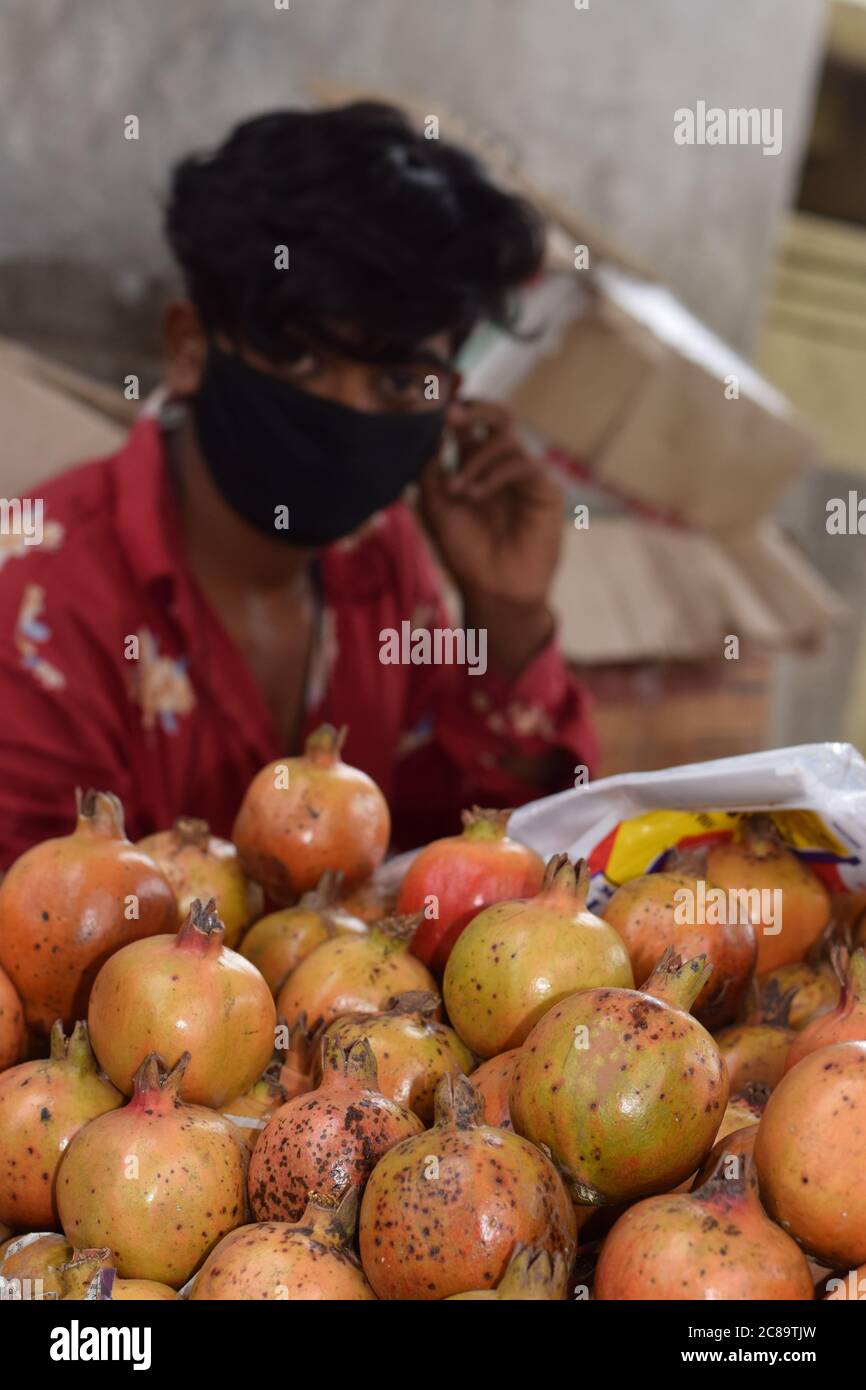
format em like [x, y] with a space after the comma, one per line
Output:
[392, 237]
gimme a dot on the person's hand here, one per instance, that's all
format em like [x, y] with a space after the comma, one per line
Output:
[497, 525]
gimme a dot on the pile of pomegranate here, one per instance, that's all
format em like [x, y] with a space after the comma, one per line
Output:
[242, 1070]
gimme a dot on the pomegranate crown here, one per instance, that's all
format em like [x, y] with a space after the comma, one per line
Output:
[355, 1062]
[187, 830]
[564, 875]
[533, 1272]
[325, 893]
[154, 1079]
[676, 981]
[325, 744]
[421, 1002]
[481, 824]
[332, 1217]
[457, 1104]
[202, 931]
[396, 932]
[75, 1049]
[733, 1177]
[99, 813]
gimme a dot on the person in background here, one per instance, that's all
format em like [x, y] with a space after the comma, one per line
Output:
[226, 582]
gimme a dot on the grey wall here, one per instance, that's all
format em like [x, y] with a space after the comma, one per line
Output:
[586, 98]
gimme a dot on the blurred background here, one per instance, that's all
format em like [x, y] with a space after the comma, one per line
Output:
[766, 252]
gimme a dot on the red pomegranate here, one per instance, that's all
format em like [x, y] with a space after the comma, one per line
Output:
[713, 1243]
[811, 1151]
[736, 1145]
[623, 1087]
[280, 941]
[492, 1081]
[755, 1050]
[412, 1050]
[327, 1138]
[158, 1182]
[184, 993]
[443, 1212]
[13, 1033]
[760, 862]
[516, 959]
[355, 974]
[676, 908]
[846, 1023]
[452, 879]
[310, 1260]
[533, 1275]
[301, 816]
[200, 865]
[67, 904]
[43, 1105]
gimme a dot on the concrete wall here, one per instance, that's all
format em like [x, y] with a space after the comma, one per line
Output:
[586, 97]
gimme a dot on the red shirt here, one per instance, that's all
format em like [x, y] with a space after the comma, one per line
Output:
[116, 673]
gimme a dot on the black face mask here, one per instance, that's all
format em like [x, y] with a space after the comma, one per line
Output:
[268, 445]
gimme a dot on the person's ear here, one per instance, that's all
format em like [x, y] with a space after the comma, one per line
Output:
[185, 347]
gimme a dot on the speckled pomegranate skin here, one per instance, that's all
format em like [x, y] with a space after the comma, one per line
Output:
[311, 1260]
[331, 1137]
[811, 1154]
[492, 1081]
[625, 1091]
[442, 1212]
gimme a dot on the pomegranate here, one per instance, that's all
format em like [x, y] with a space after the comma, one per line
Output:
[847, 1022]
[412, 1050]
[648, 914]
[713, 1243]
[200, 865]
[280, 941]
[310, 1260]
[332, 1136]
[516, 959]
[532, 1275]
[737, 1144]
[250, 1112]
[13, 1034]
[452, 879]
[184, 993]
[811, 1150]
[298, 1070]
[624, 1088]
[759, 863]
[355, 974]
[34, 1261]
[66, 904]
[492, 1081]
[442, 1212]
[158, 1182]
[814, 982]
[755, 1050]
[301, 816]
[43, 1104]
[91, 1275]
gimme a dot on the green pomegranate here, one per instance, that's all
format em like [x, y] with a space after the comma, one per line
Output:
[623, 1088]
[516, 959]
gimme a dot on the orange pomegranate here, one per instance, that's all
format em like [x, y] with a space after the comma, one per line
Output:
[200, 865]
[355, 974]
[43, 1105]
[492, 1081]
[67, 904]
[671, 908]
[301, 816]
[760, 862]
[184, 993]
[280, 941]
[755, 1050]
[13, 1033]
[847, 1022]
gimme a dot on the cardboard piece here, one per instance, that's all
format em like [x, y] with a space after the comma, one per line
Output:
[52, 418]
